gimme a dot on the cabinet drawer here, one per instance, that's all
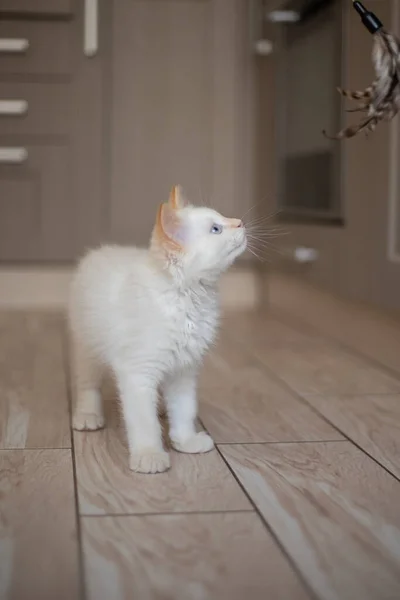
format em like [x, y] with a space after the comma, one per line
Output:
[35, 197]
[35, 47]
[47, 108]
[57, 8]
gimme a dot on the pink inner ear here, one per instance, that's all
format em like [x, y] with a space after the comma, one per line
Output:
[172, 225]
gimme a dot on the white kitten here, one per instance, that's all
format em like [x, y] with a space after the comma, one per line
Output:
[150, 315]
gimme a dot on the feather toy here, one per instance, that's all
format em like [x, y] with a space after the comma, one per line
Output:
[380, 101]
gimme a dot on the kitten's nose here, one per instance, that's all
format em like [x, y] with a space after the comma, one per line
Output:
[236, 223]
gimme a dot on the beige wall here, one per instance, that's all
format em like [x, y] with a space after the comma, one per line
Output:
[182, 109]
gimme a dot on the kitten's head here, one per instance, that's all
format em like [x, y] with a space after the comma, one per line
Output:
[199, 239]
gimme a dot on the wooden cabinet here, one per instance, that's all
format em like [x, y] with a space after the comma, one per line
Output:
[166, 99]
[34, 196]
[52, 133]
[37, 8]
[40, 47]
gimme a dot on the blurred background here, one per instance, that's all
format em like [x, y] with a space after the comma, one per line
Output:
[104, 105]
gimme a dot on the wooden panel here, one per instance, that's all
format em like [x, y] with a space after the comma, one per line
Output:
[185, 113]
[309, 364]
[38, 539]
[67, 113]
[334, 510]
[107, 486]
[324, 369]
[264, 332]
[36, 205]
[50, 108]
[37, 7]
[161, 111]
[373, 333]
[34, 405]
[50, 50]
[240, 403]
[185, 557]
[20, 207]
[373, 422]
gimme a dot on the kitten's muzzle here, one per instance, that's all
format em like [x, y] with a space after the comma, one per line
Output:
[235, 223]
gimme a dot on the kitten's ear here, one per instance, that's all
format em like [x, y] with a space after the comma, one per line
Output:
[177, 199]
[170, 228]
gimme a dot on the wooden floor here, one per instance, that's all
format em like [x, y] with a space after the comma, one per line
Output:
[301, 499]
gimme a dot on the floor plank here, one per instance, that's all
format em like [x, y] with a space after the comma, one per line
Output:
[326, 370]
[34, 408]
[334, 510]
[185, 557]
[373, 422]
[38, 538]
[308, 363]
[365, 328]
[107, 486]
[239, 402]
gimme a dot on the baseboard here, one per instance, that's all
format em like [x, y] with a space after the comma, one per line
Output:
[367, 330]
[47, 287]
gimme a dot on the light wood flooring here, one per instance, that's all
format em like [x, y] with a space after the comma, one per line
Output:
[300, 500]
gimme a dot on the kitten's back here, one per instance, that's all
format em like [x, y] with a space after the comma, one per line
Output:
[110, 282]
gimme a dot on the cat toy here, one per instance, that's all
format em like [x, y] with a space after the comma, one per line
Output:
[380, 100]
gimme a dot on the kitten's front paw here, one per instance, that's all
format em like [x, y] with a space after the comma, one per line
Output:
[195, 444]
[87, 421]
[150, 462]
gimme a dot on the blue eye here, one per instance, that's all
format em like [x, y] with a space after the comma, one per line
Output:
[216, 228]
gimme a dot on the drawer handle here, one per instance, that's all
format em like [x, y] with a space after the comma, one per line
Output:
[91, 35]
[13, 107]
[13, 45]
[13, 156]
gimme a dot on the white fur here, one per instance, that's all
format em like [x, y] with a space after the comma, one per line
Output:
[150, 316]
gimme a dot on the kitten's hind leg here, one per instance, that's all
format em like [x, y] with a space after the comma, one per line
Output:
[88, 414]
[139, 400]
[180, 398]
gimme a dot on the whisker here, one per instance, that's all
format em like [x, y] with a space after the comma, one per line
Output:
[258, 224]
[258, 257]
[272, 230]
[264, 245]
[264, 225]
[264, 231]
[263, 218]
[269, 250]
[262, 249]
[262, 240]
[249, 210]
[266, 236]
